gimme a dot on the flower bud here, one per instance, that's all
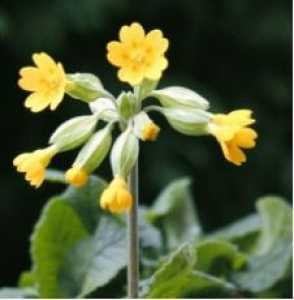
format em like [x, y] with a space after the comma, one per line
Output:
[145, 128]
[126, 105]
[189, 122]
[116, 197]
[94, 152]
[85, 86]
[180, 97]
[73, 132]
[105, 108]
[124, 153]
[76, 176]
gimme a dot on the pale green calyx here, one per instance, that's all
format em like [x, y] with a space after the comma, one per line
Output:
[127, 105]
[94, 152]
[145, 88]
[188, 121]
[180, 97]
[124, 153]
[73, 132]
[106, 109]
[85, 86]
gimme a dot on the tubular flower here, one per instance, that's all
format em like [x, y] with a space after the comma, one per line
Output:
[138, 55]
[46, 82]
[116, 197]
[150, 132]
[76, 176]
[233, 134]
[34, 164]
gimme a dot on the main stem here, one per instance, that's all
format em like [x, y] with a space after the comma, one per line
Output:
[133, 236]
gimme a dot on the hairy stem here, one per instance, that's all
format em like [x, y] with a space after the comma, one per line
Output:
[133, 237]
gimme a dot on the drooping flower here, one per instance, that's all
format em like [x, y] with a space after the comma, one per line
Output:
[233, 134]
[46, 82]
[34, 164]
[76, 176]
[138, 55]
[116, 197]
[150, 132]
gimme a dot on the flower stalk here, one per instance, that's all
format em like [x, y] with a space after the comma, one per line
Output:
[133, 236]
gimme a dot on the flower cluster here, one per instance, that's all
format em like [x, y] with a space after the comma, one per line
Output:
[141, 61]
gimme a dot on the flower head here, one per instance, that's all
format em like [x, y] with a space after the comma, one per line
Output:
[46, 82]
[233, 134]
[138, 55]
[116, 197]
[34, 164]
[76, 176]
[150, 132]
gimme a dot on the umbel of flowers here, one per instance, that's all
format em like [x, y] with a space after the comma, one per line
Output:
[140, 59]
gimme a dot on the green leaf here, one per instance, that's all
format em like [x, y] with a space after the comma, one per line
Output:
[57, 231]
[243, 233]
[263, 272]
[26, 279]
[19, 293]
[215, 257]
[178, 277]
[175, 209]
[271, 263]
[96, 260]
[276, 216]
[85, 201]
[150, 236]
[76, 248]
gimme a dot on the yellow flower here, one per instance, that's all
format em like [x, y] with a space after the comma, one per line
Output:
[76, 176]
[46, 81]
[138, 55]
[34, 164]
[116, 197]
[233, 134]
[150, 132]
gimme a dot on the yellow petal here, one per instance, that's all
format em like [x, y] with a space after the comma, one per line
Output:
[245, 138]
[130, 76]
[20, 159]
[222, 132]
[44, 62]
[37, 102]
[31, 79]
[124, 199]
[225, 149]
[241, 117]
[236, 155]
[56, 98]
[132, 34]
[117, 54]
[155, 71]
[155, 39]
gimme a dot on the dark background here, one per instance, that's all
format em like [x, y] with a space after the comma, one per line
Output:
[237, 53]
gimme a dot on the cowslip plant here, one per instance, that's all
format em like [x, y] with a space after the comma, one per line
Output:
[140, 59]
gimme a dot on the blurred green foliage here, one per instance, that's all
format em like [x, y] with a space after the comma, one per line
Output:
[236, 53]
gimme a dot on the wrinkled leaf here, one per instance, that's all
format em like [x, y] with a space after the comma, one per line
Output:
[96, 260]
[178, 277]
[272, 260]
[57, 231]
[85, 201]
[174, 208]
[243, 232]
[216, 257]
